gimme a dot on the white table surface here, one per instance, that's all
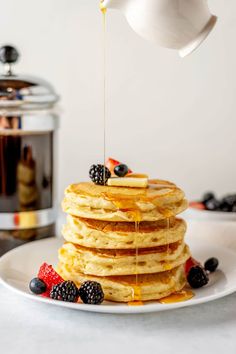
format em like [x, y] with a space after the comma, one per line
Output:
[35, 328]
[29, 327]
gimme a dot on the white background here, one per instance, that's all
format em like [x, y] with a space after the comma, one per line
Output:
[172, 118]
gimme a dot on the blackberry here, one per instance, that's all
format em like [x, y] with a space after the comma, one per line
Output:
[234, 208]
[91, 292]
[65, 291]
[224, 206]
[197, 277]
[97, 175]
[211, 264]
[229, 199]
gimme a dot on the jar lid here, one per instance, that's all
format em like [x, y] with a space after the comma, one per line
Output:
[22, 92]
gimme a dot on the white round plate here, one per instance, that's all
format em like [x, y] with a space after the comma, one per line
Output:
[206, 239]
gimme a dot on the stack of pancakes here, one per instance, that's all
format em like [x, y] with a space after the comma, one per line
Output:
[127, 239]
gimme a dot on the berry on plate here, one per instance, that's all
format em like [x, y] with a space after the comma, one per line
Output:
[197, 205]
[208, 196]
[212, 204]
[211, 264]
[49, 276]
[66, 291]
[37, 286]
[197, 277]
[91, 292]
[99, 174]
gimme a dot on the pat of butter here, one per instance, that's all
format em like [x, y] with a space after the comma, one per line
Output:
[132, 182]
[137, 175]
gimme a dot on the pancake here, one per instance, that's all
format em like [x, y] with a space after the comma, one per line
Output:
[101, 262]
[122, 235]
[125, 289]
[123, 215]
[127, 239]
[160, 200]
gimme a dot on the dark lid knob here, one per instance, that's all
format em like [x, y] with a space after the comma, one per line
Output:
[8, 54]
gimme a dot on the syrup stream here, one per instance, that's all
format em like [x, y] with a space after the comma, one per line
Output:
[104, 10]
[136, 253]
[179, 296]
[167, 237]
[136, 288]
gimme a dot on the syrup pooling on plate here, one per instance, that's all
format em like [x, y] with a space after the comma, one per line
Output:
[179, 296]
[135, 303]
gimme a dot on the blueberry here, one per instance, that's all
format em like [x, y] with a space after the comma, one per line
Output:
[211, 264]
[121, 170]
[197, 277]
[208, 196]
[212, 204]
[37, 286]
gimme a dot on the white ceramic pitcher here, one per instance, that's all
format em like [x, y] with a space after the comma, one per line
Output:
[175, 24]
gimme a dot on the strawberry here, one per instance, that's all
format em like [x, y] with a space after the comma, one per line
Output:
[111, 163]
[49, 276]
[191, 262]
[197, 205]
[16, 219]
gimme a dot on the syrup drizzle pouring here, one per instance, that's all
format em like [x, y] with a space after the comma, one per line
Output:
[136, 288]
[104, 10]
[168, 220]
[137, 296]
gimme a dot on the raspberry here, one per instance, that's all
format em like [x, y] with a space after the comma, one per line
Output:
[49, 276]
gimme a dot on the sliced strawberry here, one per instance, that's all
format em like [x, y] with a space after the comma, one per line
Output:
[112, 163]
[197, 205]
[191, 262]
[16, 219]
[49, 276]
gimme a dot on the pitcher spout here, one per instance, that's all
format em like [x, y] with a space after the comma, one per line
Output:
[113, 4]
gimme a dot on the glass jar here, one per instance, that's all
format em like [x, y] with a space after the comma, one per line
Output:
[28, 123]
